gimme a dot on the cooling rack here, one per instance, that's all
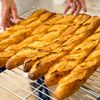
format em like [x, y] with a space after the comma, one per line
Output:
[15, 85]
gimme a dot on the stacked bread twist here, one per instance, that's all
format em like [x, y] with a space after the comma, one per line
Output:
[64, 49]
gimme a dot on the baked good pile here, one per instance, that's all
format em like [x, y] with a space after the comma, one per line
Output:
[64, 49]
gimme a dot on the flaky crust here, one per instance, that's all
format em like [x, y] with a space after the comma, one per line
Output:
[4, 56]
[41, 40]
[44, 64]
[76, 56]
[22, 24]
[13, 39]
[33, 17]
[19, 58]
[29, 62]
[22, 34]
[54, 44]
[78, 76]
[60, 47]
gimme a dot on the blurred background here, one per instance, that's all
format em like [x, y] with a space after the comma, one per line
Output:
[93, 6]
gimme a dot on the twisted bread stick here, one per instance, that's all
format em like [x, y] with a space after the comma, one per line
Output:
[16, 38]
[76, 56]
[4, 56]
[41, 42]
[78, 76]
[21, 25]
[33, 17]
[58, 42]
[48, 24]
[22, 34]
[34, 37]
[67, 63]
[19, 57]
[43, 64]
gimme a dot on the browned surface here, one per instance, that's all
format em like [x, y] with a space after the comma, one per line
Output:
[45, 39]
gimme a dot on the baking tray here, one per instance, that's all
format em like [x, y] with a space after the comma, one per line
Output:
[15, 85]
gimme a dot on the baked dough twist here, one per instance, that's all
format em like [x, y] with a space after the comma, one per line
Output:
[76, 56]
[78, 76]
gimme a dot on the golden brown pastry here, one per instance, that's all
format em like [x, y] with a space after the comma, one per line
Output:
[78, 21]
[34, 36]
[28, 64]
[19, 57]
[24, 43]
[24, 33]
[15, 48]
[22, 24]
[69, 31]
[81, 18]
[46, 14]
[76, 56]
[43, 64]
[62, 24]
[33, 45]
[40, 20]
[35, 15]
[46, 25]
[50, 36]
[53, 45]
[31, 60]
[4, 56]
[29, 40]
[58, 70]
[82, 33]
[59, 41]
[55, 31]
[98, 30]
[15, 38]
[78, 76]
[10, 31]
[38, 44]
[31, 25]
[22, 55]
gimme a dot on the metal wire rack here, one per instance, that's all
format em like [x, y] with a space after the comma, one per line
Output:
[15, 85]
